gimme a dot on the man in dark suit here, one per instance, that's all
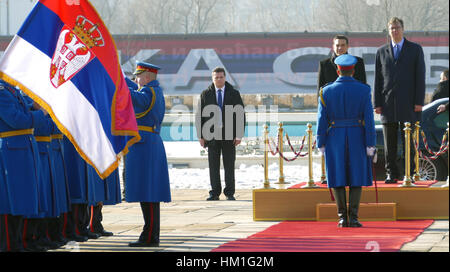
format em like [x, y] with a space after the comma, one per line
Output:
[328, 69]
[399, 91]
[220, 123]
[441, 90]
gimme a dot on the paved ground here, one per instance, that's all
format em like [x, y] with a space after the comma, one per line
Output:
[189, 223]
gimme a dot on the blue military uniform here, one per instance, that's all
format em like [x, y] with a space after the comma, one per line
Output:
[346, 128]
[21, 165]
[82, 193]
[61, 185]
[146, 174]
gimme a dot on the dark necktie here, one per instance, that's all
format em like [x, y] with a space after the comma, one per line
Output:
[219, 98]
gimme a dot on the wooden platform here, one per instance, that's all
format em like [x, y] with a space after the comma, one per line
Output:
[367, 212]
[300, 204]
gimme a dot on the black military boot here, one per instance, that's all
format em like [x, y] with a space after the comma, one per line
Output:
[354, 200]
[341, 203]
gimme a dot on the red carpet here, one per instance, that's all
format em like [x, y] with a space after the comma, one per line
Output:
[380, 184]
[309, 236]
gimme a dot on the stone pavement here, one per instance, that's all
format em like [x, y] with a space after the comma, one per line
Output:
[189, 223]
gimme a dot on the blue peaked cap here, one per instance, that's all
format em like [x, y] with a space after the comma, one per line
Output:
[345, 60]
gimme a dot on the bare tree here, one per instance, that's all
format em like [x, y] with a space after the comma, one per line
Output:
[200, 16]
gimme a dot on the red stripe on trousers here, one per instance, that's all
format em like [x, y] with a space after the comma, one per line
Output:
[90, 220]
[8, 243]
[24, 234]
[76, 220]
[151, 223]
[65, 226]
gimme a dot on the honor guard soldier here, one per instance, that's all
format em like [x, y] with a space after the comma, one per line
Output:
[346, 134]
[36, 226]
[62, 187]
[19, 161]
[147, 174]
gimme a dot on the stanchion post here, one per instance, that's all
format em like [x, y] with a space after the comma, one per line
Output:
[310, 183]
[407, 181]
[266, 157]
[416, 154]
[280, 151]
[448, 154]
[324, 174]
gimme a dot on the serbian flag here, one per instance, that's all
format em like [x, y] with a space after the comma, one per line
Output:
[65, 59]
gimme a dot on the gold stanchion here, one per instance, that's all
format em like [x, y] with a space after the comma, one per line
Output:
[323, 178]
[280, 148]
[407, 181]
[448, 154]
[310, 183]
[416, 154]
[266, 158]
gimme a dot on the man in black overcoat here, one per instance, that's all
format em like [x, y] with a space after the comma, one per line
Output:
[441, 90]
[328, 69]
[220, 123]
[399, 91]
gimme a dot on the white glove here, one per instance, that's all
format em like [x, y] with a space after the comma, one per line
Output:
[322, 149]
[370, 151]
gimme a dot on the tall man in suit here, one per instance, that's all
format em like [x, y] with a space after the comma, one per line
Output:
[441, 90]
[399, 90]
[328, 69]
[220, 123]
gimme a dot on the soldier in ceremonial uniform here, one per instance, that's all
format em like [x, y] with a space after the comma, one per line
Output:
[62, 187]
[80, 178]
[147, 175]
[36, 226]
[346, 134]
[20, 165]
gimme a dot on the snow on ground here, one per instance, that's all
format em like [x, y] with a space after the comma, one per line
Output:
[246, 176]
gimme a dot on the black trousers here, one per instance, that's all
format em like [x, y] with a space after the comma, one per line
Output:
[95, 224]
[151, 229]
[390, 135]
[10, 233]
[228, 150]
[76, 221]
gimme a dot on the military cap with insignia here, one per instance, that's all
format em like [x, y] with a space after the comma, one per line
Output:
[345, 62]
[145, 67]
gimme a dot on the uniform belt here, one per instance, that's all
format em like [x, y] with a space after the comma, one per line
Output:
[16, 132]
[43, 138]
[57, 136]
[149, 129]
[347, 123]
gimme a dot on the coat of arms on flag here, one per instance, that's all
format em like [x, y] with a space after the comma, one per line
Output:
[65, 59]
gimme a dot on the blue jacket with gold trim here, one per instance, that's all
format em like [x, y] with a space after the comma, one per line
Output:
[345, 127]
[19, 179]
[147, 174]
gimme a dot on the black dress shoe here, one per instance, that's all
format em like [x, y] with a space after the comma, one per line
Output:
[212, 198]
[77, 238]
[231, 198]
[105, 233]
[354, 223]
[143, 244]
[92, 235]
[390, 180]
[34, 247]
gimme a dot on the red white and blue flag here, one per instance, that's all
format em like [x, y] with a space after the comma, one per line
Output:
[65, 59]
